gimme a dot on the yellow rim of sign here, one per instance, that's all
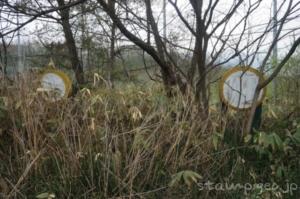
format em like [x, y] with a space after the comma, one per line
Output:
[234, 70]
[63, 76]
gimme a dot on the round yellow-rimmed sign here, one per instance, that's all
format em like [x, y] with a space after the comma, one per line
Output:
[57, 84]
[238, 85]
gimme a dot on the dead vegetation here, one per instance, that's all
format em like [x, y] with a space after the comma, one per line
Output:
[123, 143]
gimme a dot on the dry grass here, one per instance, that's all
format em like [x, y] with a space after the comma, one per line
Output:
[102, 143]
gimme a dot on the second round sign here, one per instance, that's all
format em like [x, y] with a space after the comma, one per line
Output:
[238, 87]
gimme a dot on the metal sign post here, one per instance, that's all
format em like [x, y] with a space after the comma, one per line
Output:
[237, 89]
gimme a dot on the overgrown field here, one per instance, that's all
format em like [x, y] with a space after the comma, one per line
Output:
[133, 142]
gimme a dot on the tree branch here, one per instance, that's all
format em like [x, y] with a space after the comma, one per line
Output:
[280, 66]
[41, 14]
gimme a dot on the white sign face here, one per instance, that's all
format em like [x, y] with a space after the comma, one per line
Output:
[239, 87]
[55, 85]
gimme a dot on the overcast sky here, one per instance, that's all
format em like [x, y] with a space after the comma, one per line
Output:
[175, 28]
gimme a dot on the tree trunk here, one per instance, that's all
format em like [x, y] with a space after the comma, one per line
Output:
[4, 57]
[112, 47]
[70, 42]
[199, 58]
[168, 74]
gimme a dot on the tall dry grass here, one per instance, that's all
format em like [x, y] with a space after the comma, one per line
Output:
[102, 143]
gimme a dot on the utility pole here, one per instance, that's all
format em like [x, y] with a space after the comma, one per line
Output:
[275, 50]
[165, 19]
[112, 56]
[19, 50]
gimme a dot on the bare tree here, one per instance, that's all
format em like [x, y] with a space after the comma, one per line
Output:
[3, 57]
[34, 10]
[168, 74]
[70, 42]
[4, 25]
[209, 33]
[221, 33]
[263, 84]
